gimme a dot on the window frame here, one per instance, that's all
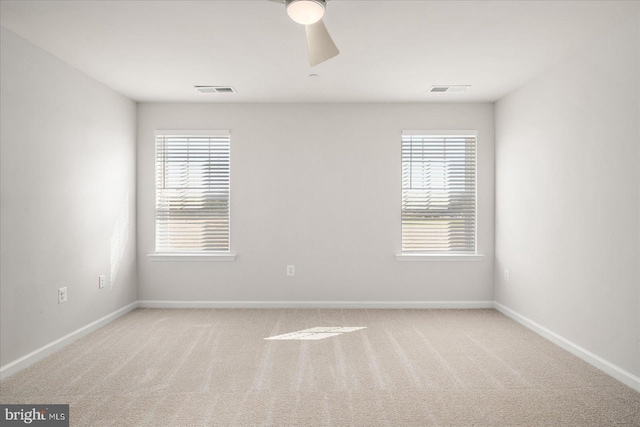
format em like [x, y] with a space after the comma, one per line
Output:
[442, 256]
[227, 255]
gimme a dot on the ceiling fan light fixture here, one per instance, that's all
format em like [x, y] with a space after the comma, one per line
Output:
[305, 12]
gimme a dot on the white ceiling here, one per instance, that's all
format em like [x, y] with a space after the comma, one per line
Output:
[391, 51]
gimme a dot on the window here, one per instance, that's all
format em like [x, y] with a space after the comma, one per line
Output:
[439, 192]
[192, 192]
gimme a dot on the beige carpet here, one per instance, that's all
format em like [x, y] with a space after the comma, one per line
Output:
[408, 368]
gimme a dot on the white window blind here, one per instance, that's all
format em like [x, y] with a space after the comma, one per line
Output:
[192, 193]
[439, 194]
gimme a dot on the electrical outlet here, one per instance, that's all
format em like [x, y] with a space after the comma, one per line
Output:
[291, 270]
[506, 275]
[62, 295]
[101, 280]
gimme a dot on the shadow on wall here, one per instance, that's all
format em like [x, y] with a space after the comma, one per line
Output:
[119, 239]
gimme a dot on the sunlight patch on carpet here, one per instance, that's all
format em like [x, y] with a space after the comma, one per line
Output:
[317, 333]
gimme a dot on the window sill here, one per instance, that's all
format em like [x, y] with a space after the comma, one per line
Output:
[192, 257]
[439, 257]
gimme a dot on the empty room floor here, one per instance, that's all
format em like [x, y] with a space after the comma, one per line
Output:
[205, 367]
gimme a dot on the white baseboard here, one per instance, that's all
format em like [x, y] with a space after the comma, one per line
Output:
[316, 304]
[597, 361]
[11, 368]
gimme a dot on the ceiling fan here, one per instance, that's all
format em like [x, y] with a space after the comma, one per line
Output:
[309, 13]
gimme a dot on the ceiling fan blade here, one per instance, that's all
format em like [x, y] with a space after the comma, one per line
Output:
[319, 43]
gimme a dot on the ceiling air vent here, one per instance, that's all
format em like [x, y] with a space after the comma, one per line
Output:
[215, 89]
[449, 89]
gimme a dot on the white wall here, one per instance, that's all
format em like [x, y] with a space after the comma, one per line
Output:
[567, 198]
[68, 198]
[317, 186]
